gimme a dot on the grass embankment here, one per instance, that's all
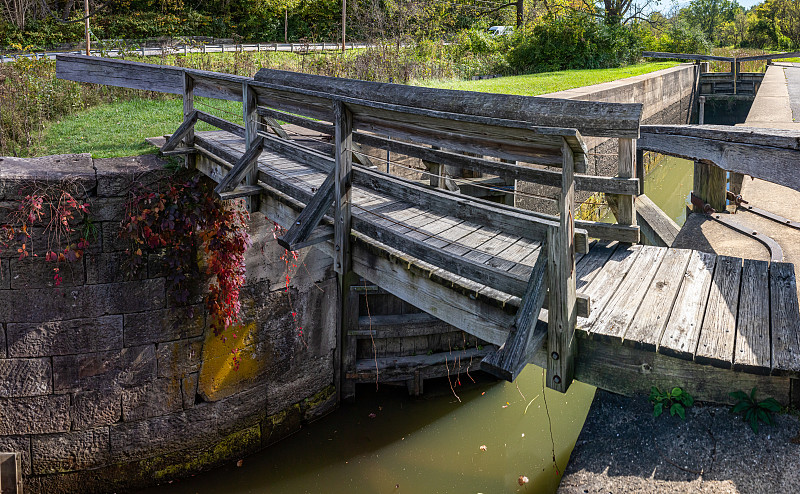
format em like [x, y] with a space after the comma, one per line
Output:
[119, 129]
[549, 82]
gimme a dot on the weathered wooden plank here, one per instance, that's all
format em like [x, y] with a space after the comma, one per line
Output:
[562, 315]
[391, 368]
[590, 118]
[183, 130]
[602, 287]
[450, 132]
[623, 206]
[321, 127]
[120, 73]
[773, 164]
[656, 226]
[683, 328]
[753, 345]
[499, 168]
[779, 138]
[618, 314]
[523, 339]
[785, 319]
[188, 108]
[462, 311]
[343, 184]
[251, 139]
[718, 333]
[246, 164]
[592, 263]
[310, 217]
[400, 326]
[222, 124]
[241, 191]
[650, 320]
[633, 372]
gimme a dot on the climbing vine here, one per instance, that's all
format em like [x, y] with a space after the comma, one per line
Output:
[51, 221]
[177, 224]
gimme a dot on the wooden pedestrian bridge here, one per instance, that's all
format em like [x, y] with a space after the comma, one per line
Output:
[314, 154]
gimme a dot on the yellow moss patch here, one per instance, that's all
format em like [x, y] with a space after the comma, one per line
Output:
[219, 374]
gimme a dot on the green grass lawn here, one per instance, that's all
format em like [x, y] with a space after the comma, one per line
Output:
[119, 129]
[548, 82]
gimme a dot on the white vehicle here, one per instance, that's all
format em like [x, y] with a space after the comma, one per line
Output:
[501, 30]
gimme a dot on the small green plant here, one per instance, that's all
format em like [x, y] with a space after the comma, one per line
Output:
[676, 401]
[754, 411]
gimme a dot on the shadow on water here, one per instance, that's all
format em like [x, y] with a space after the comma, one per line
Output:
[669, 184]
[432, 444]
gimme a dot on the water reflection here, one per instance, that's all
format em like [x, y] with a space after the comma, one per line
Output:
[430, 445]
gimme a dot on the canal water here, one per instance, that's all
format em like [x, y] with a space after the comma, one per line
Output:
[480, 439]
[477, 438]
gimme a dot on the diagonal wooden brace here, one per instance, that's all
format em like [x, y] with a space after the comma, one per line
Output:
[525, 337]
[242, 168]
[310, 217]
[179, 134]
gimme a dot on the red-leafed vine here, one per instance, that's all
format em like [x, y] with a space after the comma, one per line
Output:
[181, 221]
[52, 219]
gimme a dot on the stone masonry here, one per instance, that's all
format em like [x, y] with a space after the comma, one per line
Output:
[106, 386]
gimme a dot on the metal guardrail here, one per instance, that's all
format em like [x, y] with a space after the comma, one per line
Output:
[186, 49]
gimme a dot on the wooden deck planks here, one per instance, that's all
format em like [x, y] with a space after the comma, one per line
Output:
[785, 319]
[683, 328]
[651, 318]
[605, 283]
[753, 349]
[622, 306]
[718, 332]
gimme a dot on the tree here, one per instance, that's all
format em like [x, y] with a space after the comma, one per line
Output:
[709, 15]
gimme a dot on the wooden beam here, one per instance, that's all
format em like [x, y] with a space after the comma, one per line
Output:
[774, 159]
[625, 209]
[245, 166]
[562, 315]
[709, 184]
[222, 124]
[525, 337]
[590, 118]
[311, 215]
[343, 187]
[251, 139]
[188, 108]
[183, 130]
[770, 56]
[656, 226]
[506, 170]
[321, 127]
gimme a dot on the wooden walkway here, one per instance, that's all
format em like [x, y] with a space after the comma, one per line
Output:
[722, 311]
[621, 316]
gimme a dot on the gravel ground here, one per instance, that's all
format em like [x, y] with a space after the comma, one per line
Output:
[624, 449]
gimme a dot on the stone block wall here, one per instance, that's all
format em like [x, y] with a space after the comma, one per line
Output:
[105, 385]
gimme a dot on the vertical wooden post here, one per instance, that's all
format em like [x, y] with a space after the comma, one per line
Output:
[562, 314]
[640, 171]
[249, 107]
[188, 108]
[735, 70]
[342, 260]
[710, 185]
[622, 205]
[11, 473]
[349, 344]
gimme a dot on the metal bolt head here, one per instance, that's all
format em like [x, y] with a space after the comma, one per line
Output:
[557, 379]
[554, 355]
[337, 247]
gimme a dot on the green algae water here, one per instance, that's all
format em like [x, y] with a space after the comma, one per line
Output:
[669, 184]
[481, 441]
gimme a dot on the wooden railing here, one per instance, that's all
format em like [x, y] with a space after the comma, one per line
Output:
[451, 128]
